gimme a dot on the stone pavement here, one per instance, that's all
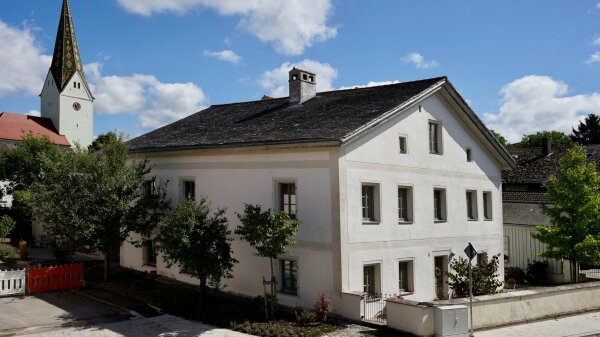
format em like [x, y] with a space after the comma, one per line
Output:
[165, 325]
[583, 325]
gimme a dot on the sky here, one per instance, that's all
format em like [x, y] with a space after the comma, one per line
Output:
[523, 66]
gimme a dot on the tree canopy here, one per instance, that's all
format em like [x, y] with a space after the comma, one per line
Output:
[588, 131]
[558, 139]
[198, 241]
[499, 137]
[96, 199]
[574, 229]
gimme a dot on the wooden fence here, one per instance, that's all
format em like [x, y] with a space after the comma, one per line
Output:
[12, 282]
[54, 278]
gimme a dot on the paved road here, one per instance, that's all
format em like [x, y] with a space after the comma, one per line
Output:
[50, 309]
[572, 326]
[165, 325]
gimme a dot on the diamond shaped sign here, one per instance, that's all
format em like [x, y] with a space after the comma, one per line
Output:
[470, 251]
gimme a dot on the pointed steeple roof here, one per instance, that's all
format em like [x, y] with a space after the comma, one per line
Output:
[66, 60]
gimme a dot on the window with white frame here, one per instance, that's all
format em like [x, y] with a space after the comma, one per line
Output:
[370, 203]
[289, 276]
[402, 144]
[188, 189]
[405, 206]
[405, 277]
[471, 200]
[439, 204]
[435, 137]
[149, 253]
[487, 205]
[287, 199]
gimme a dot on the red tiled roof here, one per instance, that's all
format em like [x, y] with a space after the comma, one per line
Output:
[14, 126]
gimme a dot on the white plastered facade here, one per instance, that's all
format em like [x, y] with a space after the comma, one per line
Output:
[76, 125]
[333, 244]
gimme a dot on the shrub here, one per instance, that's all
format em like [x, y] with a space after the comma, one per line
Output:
[485, 276]
[6, 225]
[305, 317]
[536, 273]
[323, 307]
[516, 274]
[8, 252]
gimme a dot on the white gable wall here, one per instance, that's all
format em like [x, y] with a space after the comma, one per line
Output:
[375, 158]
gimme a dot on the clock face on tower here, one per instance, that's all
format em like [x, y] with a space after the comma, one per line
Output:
[76, 106]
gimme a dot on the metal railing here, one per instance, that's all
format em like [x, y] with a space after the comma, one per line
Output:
[591, 273]
[374, 307]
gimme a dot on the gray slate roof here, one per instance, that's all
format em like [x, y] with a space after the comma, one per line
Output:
[531, 197]
[330, 116]
[523, 214]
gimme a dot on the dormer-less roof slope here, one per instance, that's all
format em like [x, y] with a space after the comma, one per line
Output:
[333, 116]
[66, 60]
[13, 127]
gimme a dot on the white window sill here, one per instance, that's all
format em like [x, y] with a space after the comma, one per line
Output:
[472, 220]
[287, 293]
[408, 222]
[488, 219]
[440, 221]
[370, 222]
[406, 293]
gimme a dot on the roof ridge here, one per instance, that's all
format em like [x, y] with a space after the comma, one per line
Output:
[338, 90]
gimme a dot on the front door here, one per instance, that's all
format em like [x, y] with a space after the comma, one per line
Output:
[440, 270]
[369, 280]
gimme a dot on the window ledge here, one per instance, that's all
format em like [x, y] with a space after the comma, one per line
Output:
[440, 221]
[472, 220]
[488, 219]
[405, 222]
[288, 293]
[406, 293]
[149, 265]
[438, 153]
[370, 222]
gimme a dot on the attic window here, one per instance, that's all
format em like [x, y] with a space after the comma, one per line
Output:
[304, 77]
[78, 85]
[312, 78]
[75, 85]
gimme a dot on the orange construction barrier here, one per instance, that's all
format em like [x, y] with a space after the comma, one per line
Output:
[54, 277]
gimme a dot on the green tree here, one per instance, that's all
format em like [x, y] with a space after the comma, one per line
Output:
[486, 279]
[269, 233]
[198, 241]
[557, 138]
[574, 229]
[6, 225]
[499, 137]
[96, 199]
[588, 131]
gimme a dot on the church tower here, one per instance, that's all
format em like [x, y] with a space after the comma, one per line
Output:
[66, 97]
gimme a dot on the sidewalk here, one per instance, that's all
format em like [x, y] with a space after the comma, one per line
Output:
[583, 325]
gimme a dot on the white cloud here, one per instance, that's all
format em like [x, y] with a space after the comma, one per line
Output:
[35, 113]
[153, 102]
[23, 66]
[418, 61]
[224, 55]
[291, 25]
[596, 41]
[276, 80]
[535, 103]
[594, 58]
[370, 84]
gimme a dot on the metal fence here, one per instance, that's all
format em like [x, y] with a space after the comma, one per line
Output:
[591, 273]
[13, 282]
[374, 308]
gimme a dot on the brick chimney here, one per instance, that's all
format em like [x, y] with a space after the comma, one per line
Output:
[546, 146]
[303, 85]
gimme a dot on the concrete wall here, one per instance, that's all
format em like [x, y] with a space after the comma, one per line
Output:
[230, 178]
[375, 158]
[410, 317]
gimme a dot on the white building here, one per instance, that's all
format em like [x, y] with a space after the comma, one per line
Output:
[388, 182]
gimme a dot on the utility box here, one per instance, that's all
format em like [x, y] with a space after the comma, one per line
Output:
[451, 320]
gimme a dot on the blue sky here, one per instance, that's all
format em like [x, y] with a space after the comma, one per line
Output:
[524, 66]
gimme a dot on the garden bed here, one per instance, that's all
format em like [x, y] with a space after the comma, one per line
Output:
[222, 309]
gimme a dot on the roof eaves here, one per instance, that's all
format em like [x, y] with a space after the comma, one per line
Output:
[357, 133]
[314, 142]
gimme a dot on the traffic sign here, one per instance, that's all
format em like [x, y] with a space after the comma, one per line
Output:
[470, 251]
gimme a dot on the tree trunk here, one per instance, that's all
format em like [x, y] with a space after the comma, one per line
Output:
[273, 290]
[202, 299]
[106, 266]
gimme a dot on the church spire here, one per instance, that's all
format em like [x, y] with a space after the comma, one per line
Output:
[66, 60]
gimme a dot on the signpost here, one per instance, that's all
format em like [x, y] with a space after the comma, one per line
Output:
[471, 253]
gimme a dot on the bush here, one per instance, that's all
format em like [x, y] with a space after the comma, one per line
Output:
[6, 225]
[516, 274]
[323, 307]
[536, 273]
[485, 276]
[8, 252]
[305, 317]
